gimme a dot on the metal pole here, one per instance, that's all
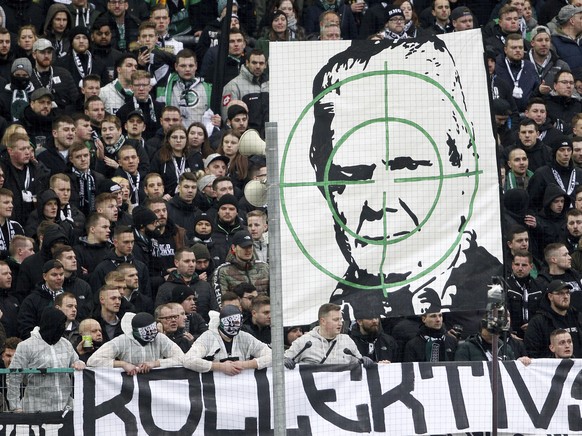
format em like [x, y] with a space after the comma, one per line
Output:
[494, 377]
[275, 279]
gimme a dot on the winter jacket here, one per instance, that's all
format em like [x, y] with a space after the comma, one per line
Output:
[563, 109]
[537, 336]
[234, 271]
[254, 91]
[383, 346]
[550, 223]
[182, 214]
[32, 308]
[544, 177]
[206, 297]
[516, 302]
[82, 292]
[417, 349]
[528, 81]
[475, 349]
[568, 49]
[90, 255]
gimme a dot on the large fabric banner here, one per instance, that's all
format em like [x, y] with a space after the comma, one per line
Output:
[394, 399]
[388, 176]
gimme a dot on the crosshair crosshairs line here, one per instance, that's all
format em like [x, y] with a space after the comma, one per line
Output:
[384, 246]
[432, 178]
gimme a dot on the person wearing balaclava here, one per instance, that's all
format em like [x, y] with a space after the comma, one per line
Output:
[46, 348]
[16, 95]
[225, 348]
[140, 349]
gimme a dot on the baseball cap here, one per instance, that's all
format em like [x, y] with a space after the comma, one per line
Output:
[214, 156]
[40, 93]
[567, 12]
[558, 285]
[242, 238]
[42, 44]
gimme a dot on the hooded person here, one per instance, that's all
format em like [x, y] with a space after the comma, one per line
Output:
[16, 95]
[225, 348]
[46, 348]
[48, 207]
[58, 37]
[552, 219]
[139, 349]
[204, 262]
[31, 269]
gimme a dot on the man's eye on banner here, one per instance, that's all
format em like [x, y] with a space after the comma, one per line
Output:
[396, 158]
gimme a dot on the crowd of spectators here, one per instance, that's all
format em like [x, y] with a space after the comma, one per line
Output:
[127, 239]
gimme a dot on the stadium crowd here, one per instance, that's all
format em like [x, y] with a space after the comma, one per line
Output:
[127, 239]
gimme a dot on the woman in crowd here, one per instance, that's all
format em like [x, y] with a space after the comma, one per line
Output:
[174, 158]
[238, 166]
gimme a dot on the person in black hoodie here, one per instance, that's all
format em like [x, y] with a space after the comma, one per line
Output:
[538, 153]
[31, 269]
[433, 343]
[48, 207]
[42, 296]
[55, 157]
[93, 248]
[185, 275]
[560, 171]
[552, 219]
[559, 264]
[372, 341]
[182, 208]
[123, 241]
[555, 312]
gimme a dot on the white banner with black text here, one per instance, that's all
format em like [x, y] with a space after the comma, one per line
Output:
[395, 399]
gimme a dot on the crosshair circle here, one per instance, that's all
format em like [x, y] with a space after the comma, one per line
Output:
[326, 183]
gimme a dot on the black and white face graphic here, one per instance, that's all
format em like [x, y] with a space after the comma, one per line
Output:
[399, 166]
[397, 174]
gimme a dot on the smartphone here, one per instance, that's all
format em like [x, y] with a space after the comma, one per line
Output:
[143, 49]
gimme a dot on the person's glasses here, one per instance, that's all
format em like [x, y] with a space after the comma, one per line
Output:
[396, 20]
[566, 82]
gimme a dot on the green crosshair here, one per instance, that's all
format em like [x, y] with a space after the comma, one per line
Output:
[439, 178]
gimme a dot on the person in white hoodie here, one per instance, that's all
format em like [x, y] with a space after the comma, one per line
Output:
[46, 348]
[225, 348]
[140, 349]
